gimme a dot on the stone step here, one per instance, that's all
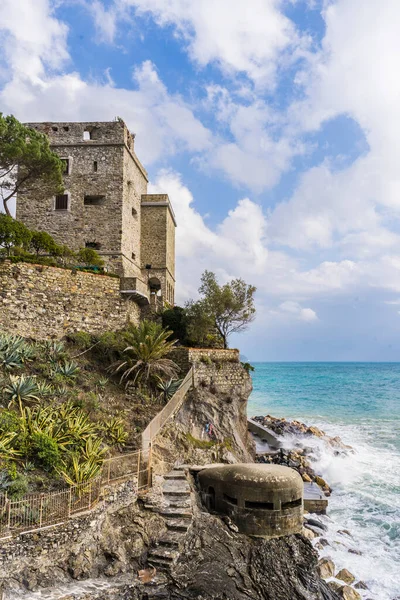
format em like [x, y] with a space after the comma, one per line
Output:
[171, 539]
[164, 553]
[175, 513]
[175, 475]
[176, 491]
[159, 563]
[178, 524]
[179, 502]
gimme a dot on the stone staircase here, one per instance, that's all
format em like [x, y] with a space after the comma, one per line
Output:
[175, 508]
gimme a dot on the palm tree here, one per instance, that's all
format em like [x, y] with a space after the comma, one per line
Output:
[146, 354]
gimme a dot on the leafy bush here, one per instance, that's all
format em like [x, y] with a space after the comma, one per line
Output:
[82, 339]
[41, 241]
[45, 451]
[15, 485]
[12, 233]
[9, 422]
[247, 367]
[176, 320]
[90, 258]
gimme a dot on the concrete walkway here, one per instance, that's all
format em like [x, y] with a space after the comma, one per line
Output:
[265, 435]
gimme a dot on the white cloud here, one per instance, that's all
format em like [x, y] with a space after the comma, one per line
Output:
[105, 20]
[164, 123]
[240, 36]
[31, 38]
[294, 309]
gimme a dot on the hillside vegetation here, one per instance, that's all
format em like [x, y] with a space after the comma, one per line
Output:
[66, 406]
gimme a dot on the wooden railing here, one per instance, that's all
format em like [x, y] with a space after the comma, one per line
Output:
[167, 412]
[37, 511]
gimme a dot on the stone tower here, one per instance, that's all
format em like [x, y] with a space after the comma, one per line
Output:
[105, 205]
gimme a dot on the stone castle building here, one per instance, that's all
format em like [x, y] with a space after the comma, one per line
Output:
[105, 206]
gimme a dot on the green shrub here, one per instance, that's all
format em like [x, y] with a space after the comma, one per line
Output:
[12, 233]
[45, 451]
[90, 258]
[9, 422]
[247, 367]
[202, 444]
[81, 339]
[13, 483]
[41, 241]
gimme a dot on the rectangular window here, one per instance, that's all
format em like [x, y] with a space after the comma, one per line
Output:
[95, 166]
[94, 200]
[65, 162]
[61, 202]
[230, 499]
[259, 505]
[292, 504]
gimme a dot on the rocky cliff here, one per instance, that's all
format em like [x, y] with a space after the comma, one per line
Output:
[211, 426]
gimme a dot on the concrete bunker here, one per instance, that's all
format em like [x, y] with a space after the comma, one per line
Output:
[262, 500]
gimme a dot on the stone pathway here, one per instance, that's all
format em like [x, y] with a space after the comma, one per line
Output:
[175, 508]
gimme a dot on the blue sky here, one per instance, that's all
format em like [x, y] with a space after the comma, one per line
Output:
[273, 126]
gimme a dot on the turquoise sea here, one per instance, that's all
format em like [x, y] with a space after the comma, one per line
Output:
[360, 402]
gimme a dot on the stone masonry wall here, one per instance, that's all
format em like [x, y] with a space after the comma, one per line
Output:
[158, 241]
[105, 168]
[47, 302]
[215, 368]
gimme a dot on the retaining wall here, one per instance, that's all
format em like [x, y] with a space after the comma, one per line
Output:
[47, 302]
[213, 367]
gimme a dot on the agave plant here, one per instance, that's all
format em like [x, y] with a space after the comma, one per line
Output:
[21, 389]
[9, 359]
[94, 450]
[61, 391]
[26, 352]
[146, 354]
[44, 389]
[53, 347]
[115, 432]
[102, 382]
[67, 369]
[80, 471]
[169, 387]
[7, 450]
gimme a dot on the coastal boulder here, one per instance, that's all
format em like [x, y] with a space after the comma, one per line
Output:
[346, 576]
[326, 568]
[348, 593]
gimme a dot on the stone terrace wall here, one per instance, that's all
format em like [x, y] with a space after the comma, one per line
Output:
[215, 368]
[47, 302]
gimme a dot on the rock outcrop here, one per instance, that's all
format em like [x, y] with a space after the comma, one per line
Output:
[219, 563]
[210, 427]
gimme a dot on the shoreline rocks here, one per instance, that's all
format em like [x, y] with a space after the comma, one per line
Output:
[303, 457]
